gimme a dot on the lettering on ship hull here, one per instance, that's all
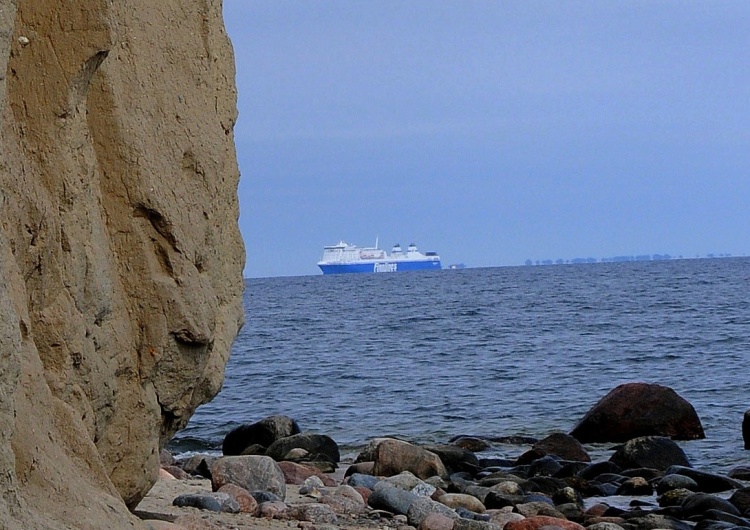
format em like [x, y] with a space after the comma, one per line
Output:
[385, 267]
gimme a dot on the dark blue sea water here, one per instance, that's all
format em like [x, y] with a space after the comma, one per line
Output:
[489, 352]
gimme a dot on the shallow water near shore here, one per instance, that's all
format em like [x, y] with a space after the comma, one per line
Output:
[489, 352]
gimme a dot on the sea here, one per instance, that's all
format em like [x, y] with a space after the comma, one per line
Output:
[490, 352]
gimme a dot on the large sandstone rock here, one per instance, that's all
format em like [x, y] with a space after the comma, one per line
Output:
[632, 410]
[120, 255]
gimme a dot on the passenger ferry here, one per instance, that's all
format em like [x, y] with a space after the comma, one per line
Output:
[345, 258]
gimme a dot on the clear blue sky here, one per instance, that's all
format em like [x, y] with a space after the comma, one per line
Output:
[491, 131]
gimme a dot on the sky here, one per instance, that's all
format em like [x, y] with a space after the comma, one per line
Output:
[491, 131]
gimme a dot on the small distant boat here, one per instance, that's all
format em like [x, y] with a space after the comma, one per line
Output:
[344, 258]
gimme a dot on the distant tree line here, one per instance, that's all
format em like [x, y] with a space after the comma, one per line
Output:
[618, 259]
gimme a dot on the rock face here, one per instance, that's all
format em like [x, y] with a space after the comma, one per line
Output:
[639, 409]
[120, 256]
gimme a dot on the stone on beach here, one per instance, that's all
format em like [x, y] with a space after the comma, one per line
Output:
[272, 509]
[472, 443]
[344, 500]
[390, 498]
[296, 474]
[632, 410]
[408, 481]
[675, 481]
[358, 480]
[175, 472]
[455, 500]
[539, 521]
[211, 501]
[656, 452]
[314, 444]
[699, 503]
[500, 518]
[635, 486]
[546, 493]
[454, 458]
[421, 507]
[674, 497]
[604, 526]
[741, 472]
[245, 501]
[436, 521]
[314, 512]
[472, 524]
[253, 473]
[391, 457]
[263, 432]
[563, 445]
[707, 482]
[199, 465]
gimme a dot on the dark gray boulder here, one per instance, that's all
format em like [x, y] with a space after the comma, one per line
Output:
[719, 515]
[598, 468]
[654, 521]
[359, 480]
[740, 472]
[320, 446]
[213, 502]
[710, 524]
[564, 446]
[746, 429]
[391, 498]
[263, 432]
[700, 503]
[655, 452]
[455, 458]
[421, 507]
[199, 465]
[674, 482]
[707, 482]
[741, 500]
[547, 466]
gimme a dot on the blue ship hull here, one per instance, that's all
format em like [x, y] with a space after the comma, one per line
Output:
[379, 266]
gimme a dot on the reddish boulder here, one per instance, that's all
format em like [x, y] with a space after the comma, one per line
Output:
[296, 474]
[246, 502]
[639, 409]
[538, 521]
[436, 521]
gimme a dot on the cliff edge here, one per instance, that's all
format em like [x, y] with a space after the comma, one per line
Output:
[120, 255]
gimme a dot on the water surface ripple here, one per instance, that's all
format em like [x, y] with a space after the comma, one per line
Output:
[492, 352]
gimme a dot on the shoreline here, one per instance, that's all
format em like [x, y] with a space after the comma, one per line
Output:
[644, 497]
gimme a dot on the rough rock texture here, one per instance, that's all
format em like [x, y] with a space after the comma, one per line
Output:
[632, 410]
[653, 452]
[120, 255]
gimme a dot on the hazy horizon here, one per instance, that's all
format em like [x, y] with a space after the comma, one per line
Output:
[491, 133]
